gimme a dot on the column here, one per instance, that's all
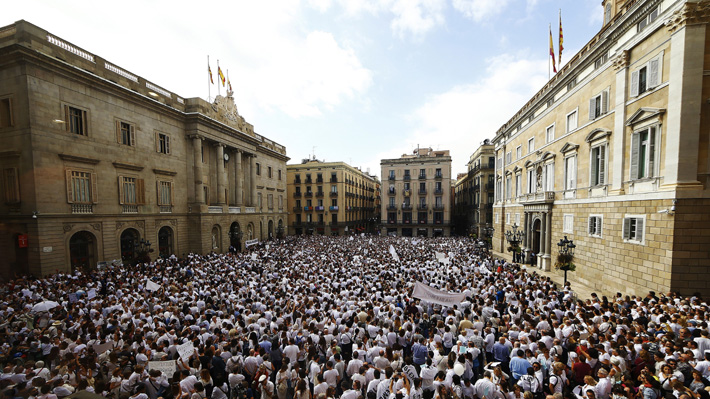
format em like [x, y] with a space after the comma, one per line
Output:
[621, 64]
[221, 177]
[252, 179]
[240, 177]
[526, 237]
[199, 185]
[541, 252]
[546, 262]
[684, 98]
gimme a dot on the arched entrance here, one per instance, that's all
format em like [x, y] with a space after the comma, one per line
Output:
[234, 237]
[536, 237]
[165, 241]
[216, 239]
[129, 241]
[82, 251]
[280, 229]
[271, 229]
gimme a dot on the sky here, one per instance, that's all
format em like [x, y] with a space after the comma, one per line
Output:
[342, 80]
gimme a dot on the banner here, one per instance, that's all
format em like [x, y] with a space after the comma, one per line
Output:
[151, 286]
[91, 294]
[249, 243]
[186, 350]
[429, 294]
[167, 367]
[394, 253]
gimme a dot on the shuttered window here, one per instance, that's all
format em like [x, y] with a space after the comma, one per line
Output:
[598, 165]
[643, 153]
[595, 225]
[81, 187]
[11, 185]
[647, 77]
[131, 190]
[599, 105]
[634, 228]
[125, 133]
[165, 193]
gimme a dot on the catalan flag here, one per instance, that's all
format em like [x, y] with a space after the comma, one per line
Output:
[561, 40]
[552, 52]
[209, 70]
[221, 75]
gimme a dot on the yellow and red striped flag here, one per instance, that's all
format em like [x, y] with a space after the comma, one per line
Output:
[552, 52]
[209, 70]
[561, 39]
[221, 75]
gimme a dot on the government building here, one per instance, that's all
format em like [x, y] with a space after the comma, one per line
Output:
[97, 162]
[417, 194]
[331, 198]
[612, 153]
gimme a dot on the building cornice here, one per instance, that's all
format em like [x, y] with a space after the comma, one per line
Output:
[691, 14]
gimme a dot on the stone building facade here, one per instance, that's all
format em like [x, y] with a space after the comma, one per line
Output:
[613, 153]
[331, 198]
[417, 194]
[96, 159]
[474, 193]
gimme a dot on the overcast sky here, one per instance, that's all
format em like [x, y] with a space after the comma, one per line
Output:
[359, 80]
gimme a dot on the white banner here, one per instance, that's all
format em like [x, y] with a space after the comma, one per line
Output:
[394, 253]
[91, 294]
[249, 243]
[167, 367]
[429, 294]
[186, 350]
[439, 255]
[151, 286]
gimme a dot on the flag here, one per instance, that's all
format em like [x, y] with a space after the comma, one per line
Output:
[561, 40]
[552, 52]
[221, 75]
[209, 70]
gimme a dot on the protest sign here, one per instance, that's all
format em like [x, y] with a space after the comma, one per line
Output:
[151, 286]
[101, 348]
[186, 350]
[167, 367]
[430, 294]
[91, 294]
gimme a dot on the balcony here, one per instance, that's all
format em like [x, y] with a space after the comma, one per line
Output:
[438, 191]
[297, 209]
[421, 192]
[82, 209]
[307, 208]
[543, 197]
[235, 209]
[333, 208]
[320, 208]
[422, 207]
[297, 194]
[391, 207]
[333, 179]
[390, 178]
[296, 181]
[407, 221]
[319, 193]
[166, 209]
[438, 176]
[407, 177]
[309, 181]
[308, 194]
[391, 221]
[319, 180]
[392, 192]
[406, 207]
[439, 207]
[333, 193]
[422, 221]
[129, 209]
[422, 177]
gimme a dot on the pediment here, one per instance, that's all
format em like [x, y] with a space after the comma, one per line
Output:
[547, 155]
[568, 147]
[644, 114]
[597, 134]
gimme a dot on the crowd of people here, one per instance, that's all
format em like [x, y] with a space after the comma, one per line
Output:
[333, 317]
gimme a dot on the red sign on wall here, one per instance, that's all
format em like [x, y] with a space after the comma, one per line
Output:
[22, 241]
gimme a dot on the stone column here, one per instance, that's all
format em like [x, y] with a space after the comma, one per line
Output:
[541, 251]
[252, 179]
[221, 177]
[526, 237]
[548, 240]
[685, 84]
[240, 177]
[621, 64]
[199, 185]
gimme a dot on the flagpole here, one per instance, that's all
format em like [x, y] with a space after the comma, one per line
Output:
[549, 73]
[218, 77]
[209, 78]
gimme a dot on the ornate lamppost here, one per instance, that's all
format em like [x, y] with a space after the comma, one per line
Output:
[564, 259]
[514, 237]
[142, 249]
[488, 232]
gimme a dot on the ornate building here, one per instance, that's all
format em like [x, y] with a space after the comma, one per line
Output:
[417, 185]
[96, 161]
[331, 198]
[473, 207]
[613, 153]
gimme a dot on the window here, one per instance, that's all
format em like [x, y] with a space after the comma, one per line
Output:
[568, 223]
[517, 219]
[279, 174]
[508, 157]
[437, 173]
[334, 189]
[507, 218]
[81, 187]
[131, 190]
[548, 177]
[258, 172]
[519, 152]
[165, 193]
[125, 133]
[531, 180]
[647, 77]
[499, 187]
[391, 176]
[508, 188]
[595, 226]
[572, 83]
[334, 202]
[601, 60]
[599, 105]
[648, 19]
[571, 173]
[162, 143]
[406, 174]
[422, 173]
[258, 201]
[270, 172]
[597, 167]
[75, 120]
[572, 121]
[633, 228]
[550, 133]
[607, 13]
[270, 201]
[11, 185]
[422, 188]
[518, 187]
[281, 202]
[643, 153]
[531, 145]
[5, 112]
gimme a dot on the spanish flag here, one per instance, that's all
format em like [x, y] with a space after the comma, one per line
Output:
[561, 40]
[221, 75]
[209, 70]
[552, 52]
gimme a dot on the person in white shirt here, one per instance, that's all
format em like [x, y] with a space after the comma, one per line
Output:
[485, 387]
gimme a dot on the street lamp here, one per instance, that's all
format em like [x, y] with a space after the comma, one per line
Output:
[514, 238]
[488, 231]
[564, 259]
[142, 249]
